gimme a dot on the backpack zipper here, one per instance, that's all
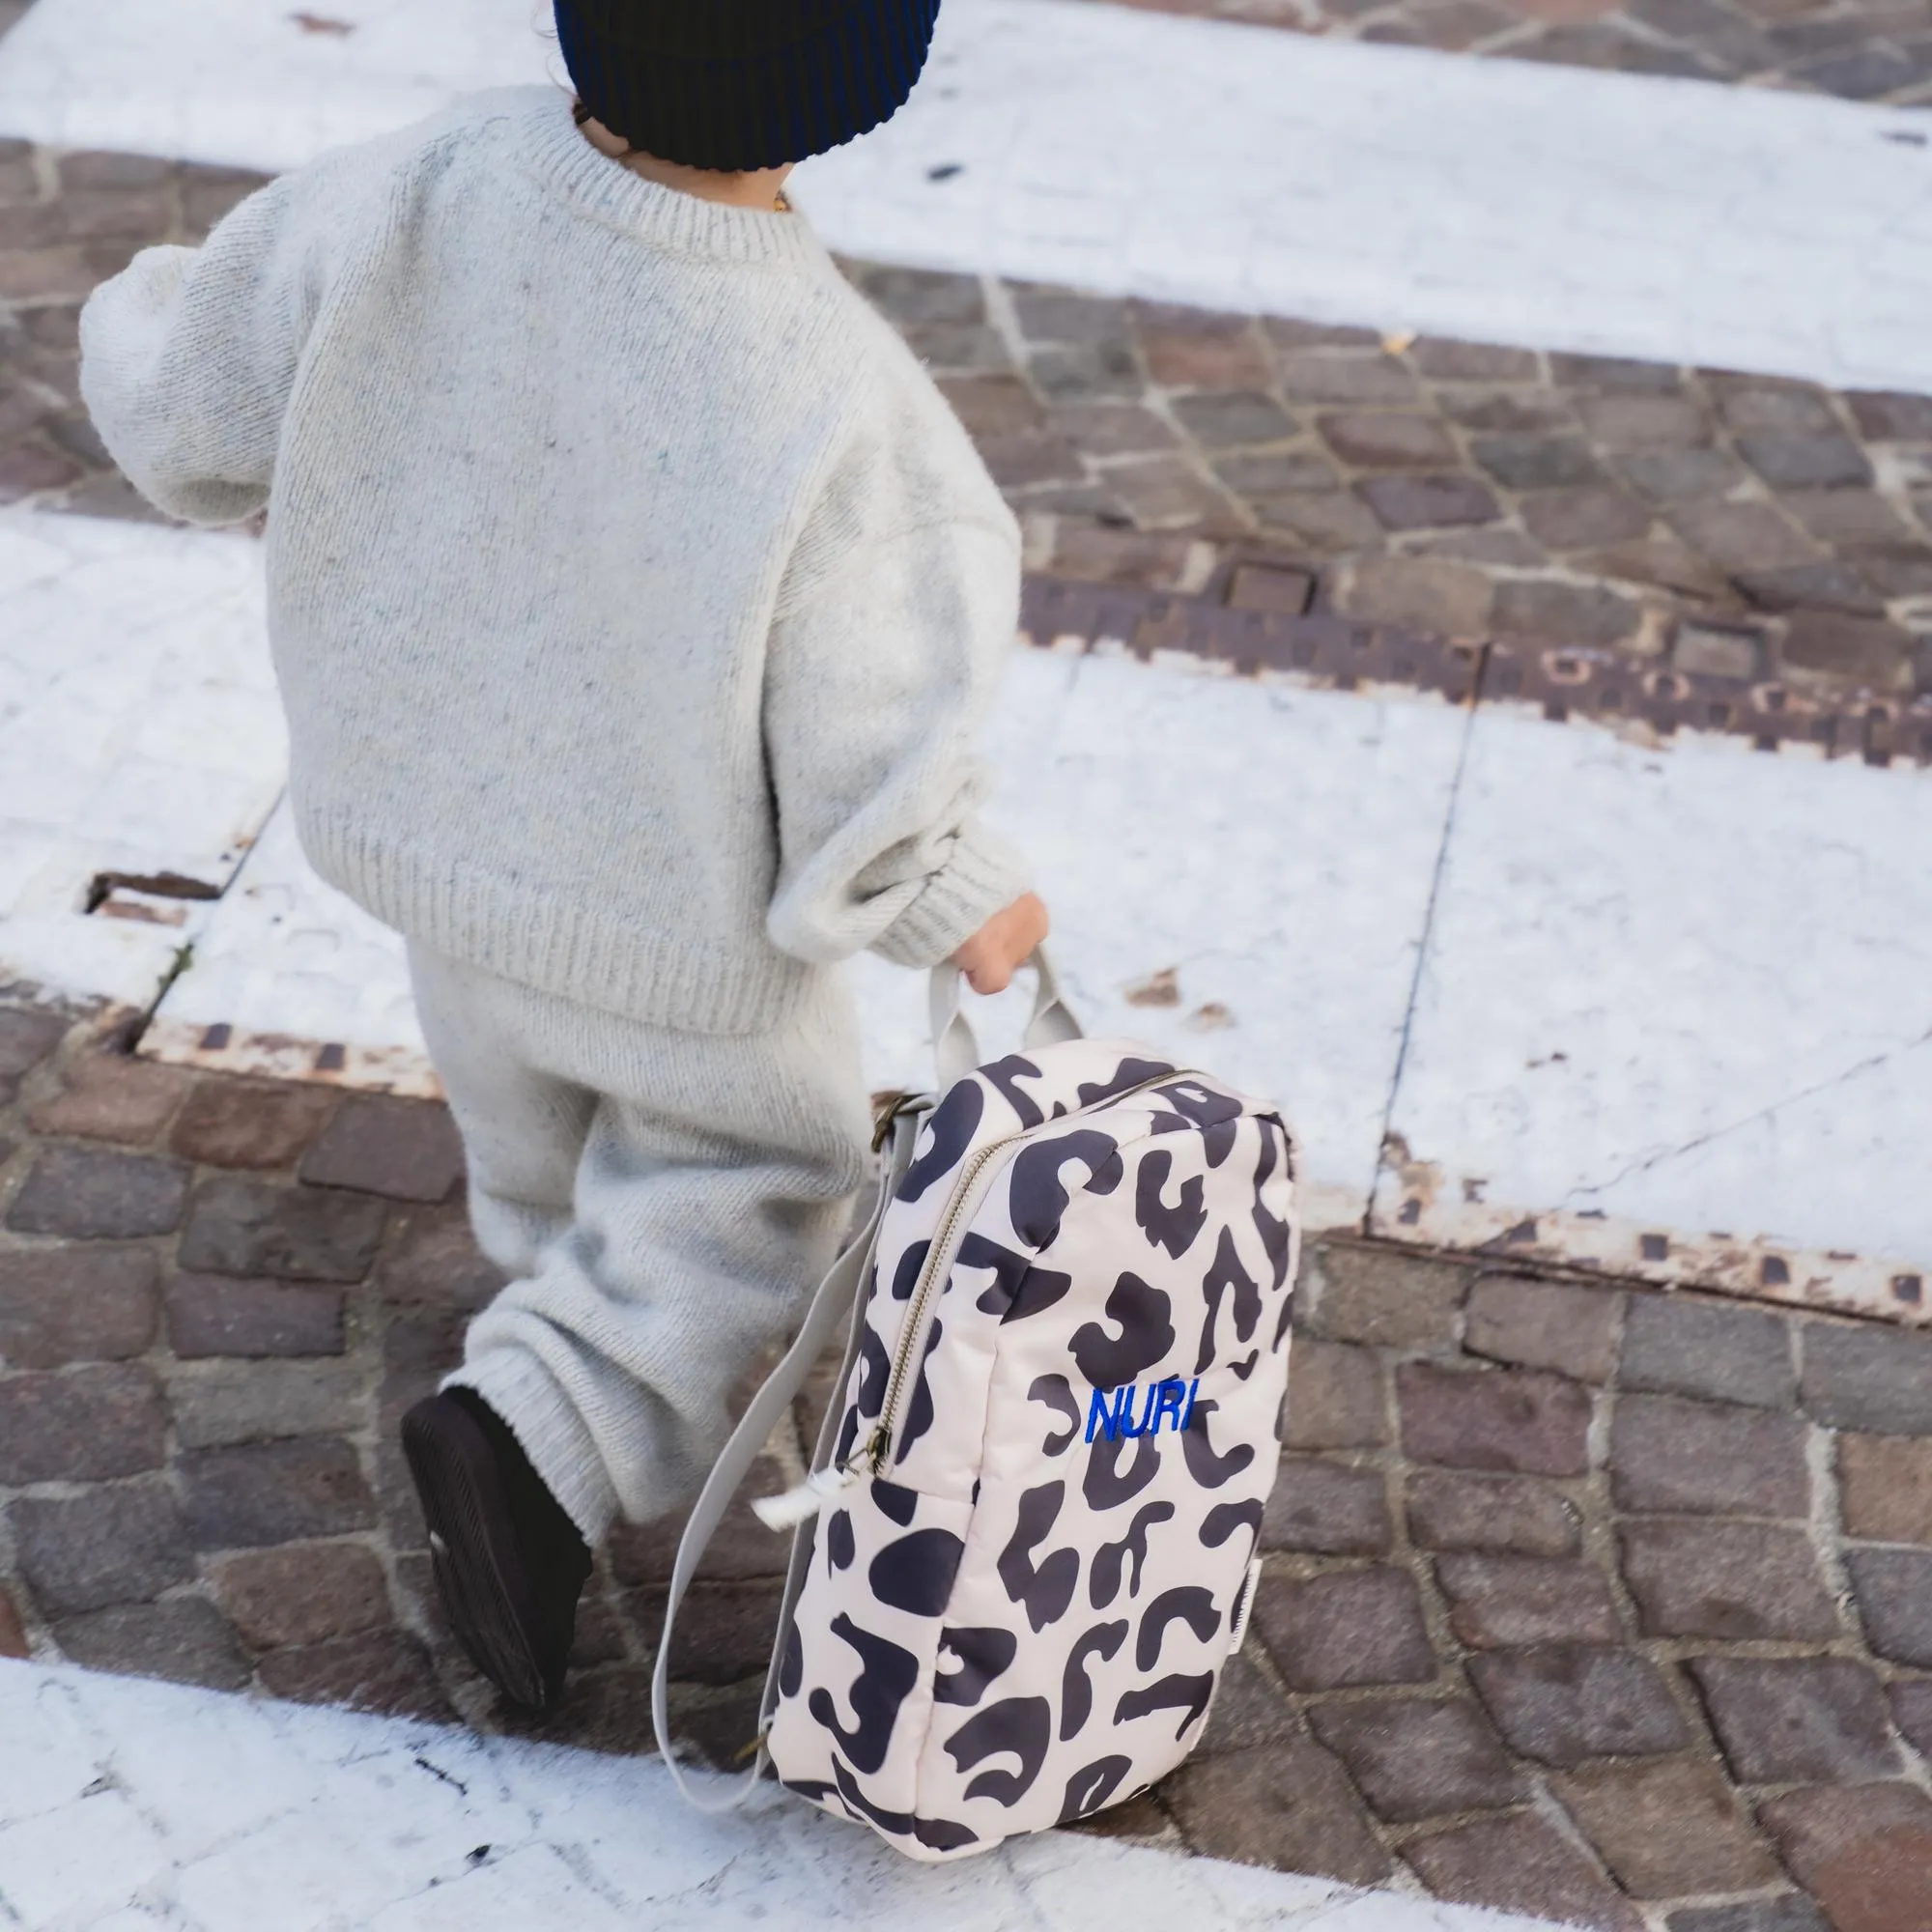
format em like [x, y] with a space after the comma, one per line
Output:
[946, 1241]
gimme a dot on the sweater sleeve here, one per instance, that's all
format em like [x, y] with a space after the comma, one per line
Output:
[188, 355]
[876, 683]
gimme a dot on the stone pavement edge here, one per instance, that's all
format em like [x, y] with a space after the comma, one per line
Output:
[1581, 1600]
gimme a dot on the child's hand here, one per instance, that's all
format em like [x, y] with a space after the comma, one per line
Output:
[994, 955]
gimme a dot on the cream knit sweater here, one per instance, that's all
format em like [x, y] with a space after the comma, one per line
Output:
[632, 592]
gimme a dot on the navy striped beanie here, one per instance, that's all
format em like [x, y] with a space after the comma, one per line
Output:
[742, 84]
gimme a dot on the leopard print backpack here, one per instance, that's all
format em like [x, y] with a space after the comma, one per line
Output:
[1025, 1547]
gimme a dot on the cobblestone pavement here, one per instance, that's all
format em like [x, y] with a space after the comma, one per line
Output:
[1854, 49]
[1584, 1600]
[1746, 528]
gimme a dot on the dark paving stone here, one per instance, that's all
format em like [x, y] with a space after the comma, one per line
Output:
[1382, 1300]
[26, 1039]
[1887, 417]
[183, 1640]
[88, 1194]
[111, 1096]
[1388, 440]
[1524, 1421]
[1248, 1710]
[408, 1150]
[1727, 1579]
[1536, 461]
[1368, 380]
[1498, 1603]
[1813, 588]
[1631, 422]
[1893, 1588]
[1668, 1831]
[62, 1305]
[431, 1256]
[1872, 1378]
[724, 1631]
[12, 1631]
[268, 1493]
[1520, 1864]
[1285, 1805]
[1865, 1853]
[1810, 1719]
[221, 1403]
[224, 1314]
[1351, 1627]
[1912, 1712]
[1562, 1703]
[1827, 462]
[1190, 348]
[1545, 1324]
[1884, 1486]
[1444, 360]
[1418, 593]
[104, 1546]
[1859, 651]
[387, 1672]
[1583, 519]
[742, 1546]
[1668, 1454]
[1680, 475]
[80, 1426]
[303, 1593]
[1565, 614]
[1335, 1395]
[1419, 1757]
[251, 1124]
[301, 1234]
[601, 1633]
[1429, 503]
[1325, 1508]
[1233, 417]
[1789, 1911]
[1500, 1513]
[1677, 1346]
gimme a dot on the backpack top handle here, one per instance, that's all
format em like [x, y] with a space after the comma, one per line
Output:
[957, 1051]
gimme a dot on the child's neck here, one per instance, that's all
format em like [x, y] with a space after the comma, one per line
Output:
[759, 187]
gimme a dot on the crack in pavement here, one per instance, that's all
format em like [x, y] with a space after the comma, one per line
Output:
[1649, 1162]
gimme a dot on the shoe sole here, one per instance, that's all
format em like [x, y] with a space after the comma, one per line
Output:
[473, 1552]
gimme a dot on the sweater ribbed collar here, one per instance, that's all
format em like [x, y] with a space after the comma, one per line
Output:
[557, 152]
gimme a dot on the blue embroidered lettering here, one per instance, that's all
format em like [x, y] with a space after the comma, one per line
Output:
[1098, 1417]
[1173, 1393]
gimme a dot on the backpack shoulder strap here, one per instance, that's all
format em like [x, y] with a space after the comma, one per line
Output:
[834, 1299]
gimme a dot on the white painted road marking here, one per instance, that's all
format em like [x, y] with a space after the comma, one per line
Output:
[1130, 152]
[1666, 992]
[134, 1807]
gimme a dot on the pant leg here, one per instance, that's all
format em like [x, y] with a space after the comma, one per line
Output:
[713, 1182]
[523, 1128]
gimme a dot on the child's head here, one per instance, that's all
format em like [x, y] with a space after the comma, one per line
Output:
[740, 85]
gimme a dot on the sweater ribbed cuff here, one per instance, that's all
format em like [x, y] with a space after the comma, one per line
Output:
[983, 875]
[538, 1413]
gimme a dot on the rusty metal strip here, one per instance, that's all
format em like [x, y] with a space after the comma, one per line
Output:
[278, 1056]
[1317, 649]
[1324, 651]
[1415, 1204]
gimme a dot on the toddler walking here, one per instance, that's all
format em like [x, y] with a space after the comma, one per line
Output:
[634, 597]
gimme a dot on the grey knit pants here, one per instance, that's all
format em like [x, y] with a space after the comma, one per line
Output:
[663, 1202]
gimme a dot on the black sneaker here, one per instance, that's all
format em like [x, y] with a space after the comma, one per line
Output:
[508, 1561]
